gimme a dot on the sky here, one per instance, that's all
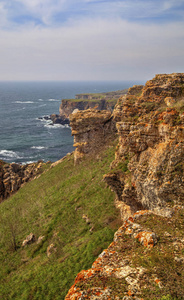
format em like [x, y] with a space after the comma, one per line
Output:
[120, 40]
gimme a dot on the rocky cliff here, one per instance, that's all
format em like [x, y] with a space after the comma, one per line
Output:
[13, 176]
[99, 101]
[147, 177]
[150, 127]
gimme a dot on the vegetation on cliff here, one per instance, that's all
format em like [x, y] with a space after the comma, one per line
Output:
[66, 207]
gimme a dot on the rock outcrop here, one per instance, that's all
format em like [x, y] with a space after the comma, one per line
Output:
[134, 265]
[147, 177]
[13, 176]
[91, 130]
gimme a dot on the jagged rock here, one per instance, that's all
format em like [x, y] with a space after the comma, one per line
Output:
[112, 263]
[135, 90]
[29, 239]
[59, 119]
[162, 86]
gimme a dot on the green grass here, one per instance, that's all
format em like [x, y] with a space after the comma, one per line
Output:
[52, 206]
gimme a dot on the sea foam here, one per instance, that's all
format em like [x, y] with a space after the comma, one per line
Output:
[9, 153]
[23, 102]
[39, 147]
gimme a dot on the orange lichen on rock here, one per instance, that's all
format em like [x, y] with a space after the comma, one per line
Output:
[148, 239]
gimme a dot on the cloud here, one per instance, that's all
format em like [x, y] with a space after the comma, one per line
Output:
[100, 50]
[52, 13]
[88, 39]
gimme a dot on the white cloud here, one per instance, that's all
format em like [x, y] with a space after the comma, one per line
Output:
[88, 49]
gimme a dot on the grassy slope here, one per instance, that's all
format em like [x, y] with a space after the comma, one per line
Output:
[52, 206]
[113, 100]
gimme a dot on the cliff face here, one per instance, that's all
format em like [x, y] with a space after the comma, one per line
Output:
[91, 130]
[151, 143]
[147, 177]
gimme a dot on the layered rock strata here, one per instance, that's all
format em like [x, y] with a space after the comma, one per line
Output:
[151, 147]
[13, 176]
[147, 173]
[91, 130]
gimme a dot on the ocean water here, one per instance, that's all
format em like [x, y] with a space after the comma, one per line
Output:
[25, 138]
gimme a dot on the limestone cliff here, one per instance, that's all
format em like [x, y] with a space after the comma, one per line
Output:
[150, 127]
[147, 177]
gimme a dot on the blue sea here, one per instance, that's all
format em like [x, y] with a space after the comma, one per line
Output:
[24, 136]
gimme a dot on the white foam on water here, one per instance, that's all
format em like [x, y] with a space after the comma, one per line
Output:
[23, 102]
[39, 147]
[28, 162]
[8, 153]
[42, 119]
[51, 125]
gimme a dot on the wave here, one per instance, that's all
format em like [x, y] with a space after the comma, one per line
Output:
[51, 125]
[8, 153]
[23, 102]
[40, 100]
[29, 162]
[39, 147]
